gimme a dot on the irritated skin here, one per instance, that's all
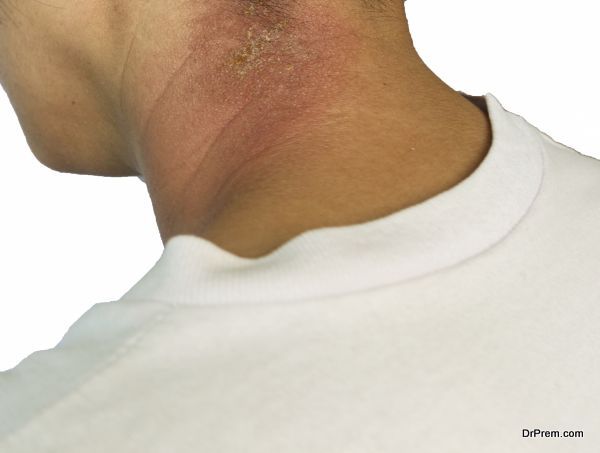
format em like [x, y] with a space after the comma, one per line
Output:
[242, 60]
[252, 79]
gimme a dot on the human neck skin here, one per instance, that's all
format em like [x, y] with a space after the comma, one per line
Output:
[262, 132]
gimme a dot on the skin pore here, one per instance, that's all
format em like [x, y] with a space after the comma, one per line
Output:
[250, 120]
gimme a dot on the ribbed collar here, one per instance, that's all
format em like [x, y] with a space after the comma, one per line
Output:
[442, 231]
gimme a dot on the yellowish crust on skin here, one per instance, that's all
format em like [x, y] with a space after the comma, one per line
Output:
[252, 54]
[276, 43]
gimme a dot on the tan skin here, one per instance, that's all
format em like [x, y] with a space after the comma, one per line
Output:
[249, 123]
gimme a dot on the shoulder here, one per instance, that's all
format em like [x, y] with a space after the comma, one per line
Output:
[93, 343]
[570, 190]
[571, 170]
[563, 225]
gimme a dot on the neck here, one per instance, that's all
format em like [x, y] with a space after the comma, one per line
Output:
[271, 123]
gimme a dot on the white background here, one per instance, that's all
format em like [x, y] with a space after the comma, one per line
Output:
[72, 241]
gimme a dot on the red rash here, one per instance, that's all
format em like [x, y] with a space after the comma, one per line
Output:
[252, 77]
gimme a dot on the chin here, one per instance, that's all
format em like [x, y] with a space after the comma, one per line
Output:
[78, 164]
[65, 145]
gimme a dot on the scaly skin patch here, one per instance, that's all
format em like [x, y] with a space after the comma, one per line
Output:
[259, 42]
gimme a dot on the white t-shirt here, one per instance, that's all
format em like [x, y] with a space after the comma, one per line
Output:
[461, 324]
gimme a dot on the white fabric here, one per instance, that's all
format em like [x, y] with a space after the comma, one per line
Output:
[449, 326]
